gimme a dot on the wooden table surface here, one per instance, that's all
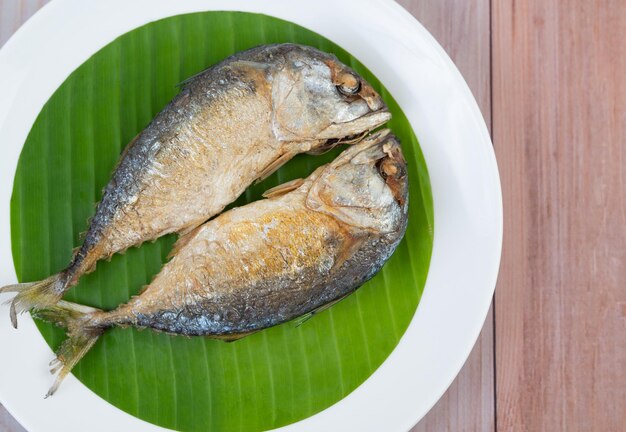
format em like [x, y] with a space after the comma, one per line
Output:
[550, 78]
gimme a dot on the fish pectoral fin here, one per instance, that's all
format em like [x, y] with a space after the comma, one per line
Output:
[274, 165]
[307, 316]
[284, 188]
[185, 237]
[352, 246]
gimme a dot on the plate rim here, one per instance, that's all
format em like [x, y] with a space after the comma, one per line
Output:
[14, 65]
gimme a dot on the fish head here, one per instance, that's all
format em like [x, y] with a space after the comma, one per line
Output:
[318, 100]
[366, 186]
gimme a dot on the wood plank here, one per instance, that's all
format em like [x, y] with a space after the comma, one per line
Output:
[462, 28]
[13, 13]
[559, 126]
[8, 423]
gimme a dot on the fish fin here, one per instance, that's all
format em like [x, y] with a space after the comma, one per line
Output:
[188, 229]
[344, 255]
[64, 313]
[185, 237]
[191, 78]
[249, 65]
[81, 337]
[274, 165]
[283, 188]
[324, 148]
[303, 318]
[33, 295]
[348, 251]
[243, 64]
[233, 336]
[126, 150]
[307, 316]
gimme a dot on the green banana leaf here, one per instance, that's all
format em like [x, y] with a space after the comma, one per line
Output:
[270, 379]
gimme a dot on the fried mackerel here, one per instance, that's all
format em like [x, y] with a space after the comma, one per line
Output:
[230, 125]
[310, 244]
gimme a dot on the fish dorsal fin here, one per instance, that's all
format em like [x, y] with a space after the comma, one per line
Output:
[236, 64]
[307, 316]
[232, 337]
[191, 78]
[255, 71]
[284, 188]
[249, 65]
[124, 152]
[183, 240]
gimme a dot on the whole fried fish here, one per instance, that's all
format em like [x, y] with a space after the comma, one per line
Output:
[232, 124]
[311, 243]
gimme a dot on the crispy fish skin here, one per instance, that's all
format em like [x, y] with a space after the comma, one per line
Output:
[229, 126]
[277, 259]
[271, 261]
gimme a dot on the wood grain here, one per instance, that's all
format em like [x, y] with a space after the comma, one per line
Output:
[559, 126]
[13, 13]
[462, 28]
[8, 423]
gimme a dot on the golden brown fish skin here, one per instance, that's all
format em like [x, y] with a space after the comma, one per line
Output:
[203, 139]
[310, 244]
[229, 126]
[277, 259]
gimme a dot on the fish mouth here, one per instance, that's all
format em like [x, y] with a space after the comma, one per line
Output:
[382, 150]
[367, 150]
[352, 131]
[377, 146]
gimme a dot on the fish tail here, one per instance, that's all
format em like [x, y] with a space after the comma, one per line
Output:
[34, 295]
[82, 332]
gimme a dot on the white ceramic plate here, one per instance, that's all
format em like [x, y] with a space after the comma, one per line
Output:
[456, 146]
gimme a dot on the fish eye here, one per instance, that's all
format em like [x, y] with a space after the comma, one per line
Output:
[381, 169]
[349, 85]
[388, 168]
